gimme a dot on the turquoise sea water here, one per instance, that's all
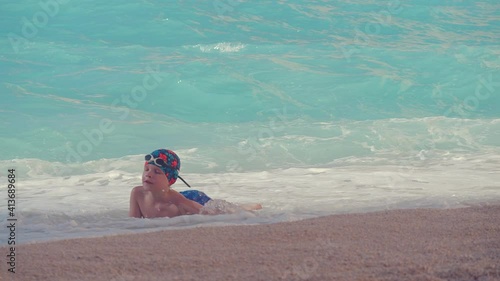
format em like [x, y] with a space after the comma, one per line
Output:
[354, 100]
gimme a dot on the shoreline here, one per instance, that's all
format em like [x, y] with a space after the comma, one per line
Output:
[408, 244]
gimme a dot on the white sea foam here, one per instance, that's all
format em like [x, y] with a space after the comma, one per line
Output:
[223, 47]
[96, 203]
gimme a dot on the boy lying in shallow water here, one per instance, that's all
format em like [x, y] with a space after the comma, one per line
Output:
[155, 198]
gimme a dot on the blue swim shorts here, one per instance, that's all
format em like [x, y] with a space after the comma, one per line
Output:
[196, 195]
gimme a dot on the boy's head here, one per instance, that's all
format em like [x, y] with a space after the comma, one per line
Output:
[167, 161]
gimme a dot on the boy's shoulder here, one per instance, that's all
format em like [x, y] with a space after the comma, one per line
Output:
[176, 196]
[137, 190]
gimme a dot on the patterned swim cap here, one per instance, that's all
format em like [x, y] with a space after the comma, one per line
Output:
[167, 161]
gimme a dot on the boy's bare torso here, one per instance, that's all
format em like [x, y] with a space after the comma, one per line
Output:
[151, 208]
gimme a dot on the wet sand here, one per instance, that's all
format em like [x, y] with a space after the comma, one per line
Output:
[421, 244]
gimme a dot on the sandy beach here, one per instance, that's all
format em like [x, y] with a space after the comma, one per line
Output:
[422, 244]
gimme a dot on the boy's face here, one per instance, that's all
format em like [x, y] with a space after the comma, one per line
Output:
[153, 176]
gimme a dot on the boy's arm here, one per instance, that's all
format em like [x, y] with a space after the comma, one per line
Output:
[186, 206]
[134, 210]
[191, 207]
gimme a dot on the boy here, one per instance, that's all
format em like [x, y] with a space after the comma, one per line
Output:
[155, 198]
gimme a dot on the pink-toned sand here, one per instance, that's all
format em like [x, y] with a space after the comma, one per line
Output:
[453, 244]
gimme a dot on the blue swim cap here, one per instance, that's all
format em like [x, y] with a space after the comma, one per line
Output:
[167, 161]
